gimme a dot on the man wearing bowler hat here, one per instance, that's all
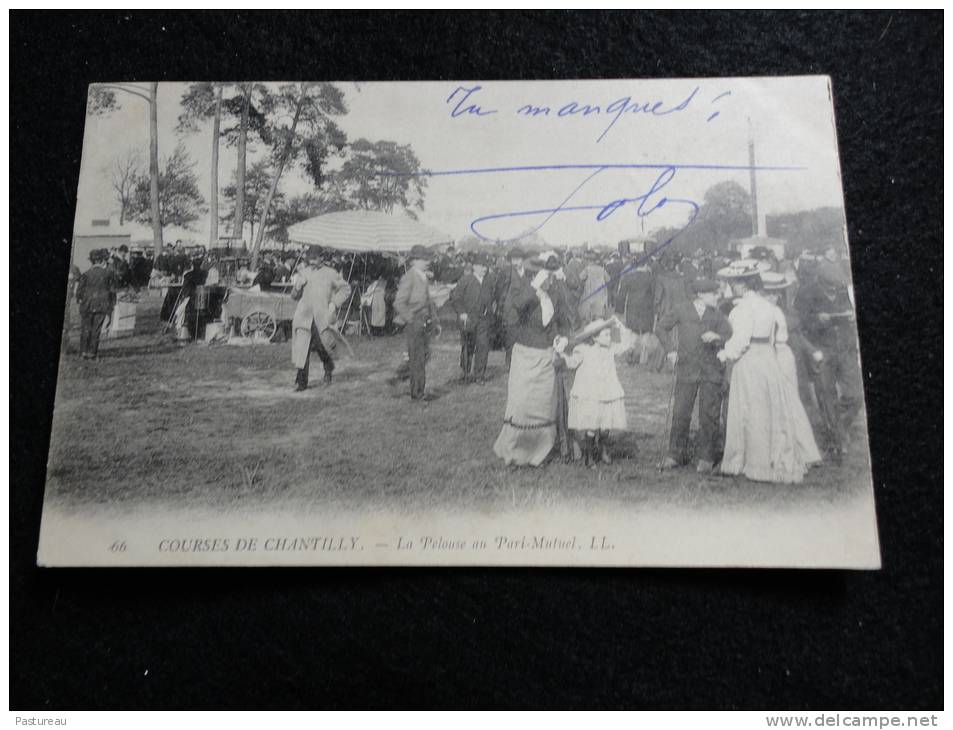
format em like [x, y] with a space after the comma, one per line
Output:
[702, 330]
[414, 306]
[473, 299]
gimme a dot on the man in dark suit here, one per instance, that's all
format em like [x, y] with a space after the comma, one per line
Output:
[513, 286]
[415, 307]
[191, 281]
[827, 320]
[474, 301]
[96, 295]
[614, 268]
[702, 330]
[119, 264]
[670, 292]
[636, 301]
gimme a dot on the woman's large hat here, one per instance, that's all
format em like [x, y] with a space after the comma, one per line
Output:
[743, 268]
[771, 280]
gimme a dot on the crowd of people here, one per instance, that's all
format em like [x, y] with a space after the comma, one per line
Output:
[758, 343]
[766, 347]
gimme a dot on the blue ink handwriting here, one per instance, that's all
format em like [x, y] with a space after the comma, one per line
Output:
[645, 203]
[459, 109]
[463, 99]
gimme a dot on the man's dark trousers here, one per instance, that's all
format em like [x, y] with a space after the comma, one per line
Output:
[317, 346]
[709, 420]
[417, 352]
[91, 325]
[838, 368]
[475, 348]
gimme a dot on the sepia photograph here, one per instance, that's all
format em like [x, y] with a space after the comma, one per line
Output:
[574, 323]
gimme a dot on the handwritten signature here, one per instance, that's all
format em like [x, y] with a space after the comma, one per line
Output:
[648, 202]
[644, 204]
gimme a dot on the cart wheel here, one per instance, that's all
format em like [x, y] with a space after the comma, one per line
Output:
[259, 325]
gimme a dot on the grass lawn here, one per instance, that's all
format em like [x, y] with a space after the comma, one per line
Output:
[219, 427]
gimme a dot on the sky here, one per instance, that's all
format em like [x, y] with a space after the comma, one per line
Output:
[695, 127]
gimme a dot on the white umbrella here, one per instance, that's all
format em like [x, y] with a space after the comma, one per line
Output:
[365, 231]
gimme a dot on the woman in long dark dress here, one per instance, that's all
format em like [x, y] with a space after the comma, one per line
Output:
[529, 422]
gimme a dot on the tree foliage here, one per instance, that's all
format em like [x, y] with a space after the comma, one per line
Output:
[101, 101]
[809, 229]
[724, 216]
[316, 137]
[198, 107]
[257, 181]
[382, 175]
[180, 202]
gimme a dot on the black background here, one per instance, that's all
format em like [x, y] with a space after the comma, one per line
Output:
[313, 638]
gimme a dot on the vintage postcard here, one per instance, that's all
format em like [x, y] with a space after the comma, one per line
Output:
[567, 323]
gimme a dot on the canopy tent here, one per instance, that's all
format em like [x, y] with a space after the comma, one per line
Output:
[365, 231]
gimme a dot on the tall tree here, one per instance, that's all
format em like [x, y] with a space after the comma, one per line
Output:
[202, 102]
[302, 129]
[258, 180]
[102, 100]
[240, 166]
[180, 201]
[238, 114]
[213, 188]
[123, 172]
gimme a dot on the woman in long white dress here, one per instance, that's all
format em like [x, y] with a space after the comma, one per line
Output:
[774, 288]
[761, 438]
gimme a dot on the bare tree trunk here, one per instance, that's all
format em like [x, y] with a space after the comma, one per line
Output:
[213, 198]
[240, 171]
[274, 183]
[154, 169]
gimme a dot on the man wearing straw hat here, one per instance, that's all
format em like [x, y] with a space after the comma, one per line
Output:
[319, 289]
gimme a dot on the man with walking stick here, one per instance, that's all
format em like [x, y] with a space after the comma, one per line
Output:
[318, 289]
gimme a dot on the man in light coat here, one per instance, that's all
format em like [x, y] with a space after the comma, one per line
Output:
[319, 290]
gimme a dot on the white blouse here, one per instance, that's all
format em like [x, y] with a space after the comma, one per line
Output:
[754, 317]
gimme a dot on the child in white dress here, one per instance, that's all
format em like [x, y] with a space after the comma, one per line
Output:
[596, 401]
